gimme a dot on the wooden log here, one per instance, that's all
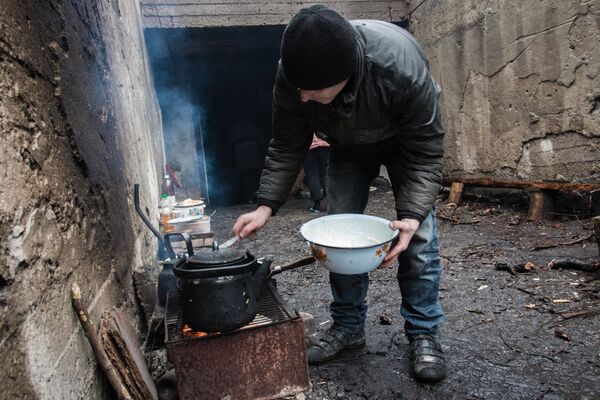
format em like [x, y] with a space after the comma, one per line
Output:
[91, 334]
[541, 205]
[596, 222]
[119, 339]
[456, 192]
[523, 184]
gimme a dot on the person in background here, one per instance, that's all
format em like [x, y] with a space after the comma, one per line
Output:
[315, 172]
[366, 85]
[245, 137]
[174, 171]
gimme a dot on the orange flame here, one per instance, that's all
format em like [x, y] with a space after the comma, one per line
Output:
[187, 331]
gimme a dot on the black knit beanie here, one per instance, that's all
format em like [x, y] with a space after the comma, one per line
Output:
[318, 49]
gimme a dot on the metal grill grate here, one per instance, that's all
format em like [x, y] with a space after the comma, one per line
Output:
[271, 310]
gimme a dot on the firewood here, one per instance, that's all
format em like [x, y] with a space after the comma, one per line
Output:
[91, 334]
[119, 339]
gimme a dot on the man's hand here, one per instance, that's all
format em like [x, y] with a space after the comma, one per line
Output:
[407, 228]
[251, 222]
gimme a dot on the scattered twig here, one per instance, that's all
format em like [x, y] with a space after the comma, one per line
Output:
[524, 267]
[457, 221]
[92, 335]
[549, 357]
[481, 322]
[451, 219]
[552, 355]
[569, 243]
[525, 291]
[477, 311]
[475, 221]
[576, 314]
[595, 364]
[561, 335]
[580, 313]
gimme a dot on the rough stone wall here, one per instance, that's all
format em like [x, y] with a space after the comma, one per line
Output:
[521, 85]
[196, 13]
[79, 124]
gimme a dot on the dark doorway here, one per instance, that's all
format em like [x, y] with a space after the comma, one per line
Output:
[217, 82]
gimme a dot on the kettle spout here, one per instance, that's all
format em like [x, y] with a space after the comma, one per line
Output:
[260, 276]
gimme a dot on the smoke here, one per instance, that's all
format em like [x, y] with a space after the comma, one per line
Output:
[203, 90]
[182, 119]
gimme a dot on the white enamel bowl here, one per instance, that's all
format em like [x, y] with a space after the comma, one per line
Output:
[349, 243]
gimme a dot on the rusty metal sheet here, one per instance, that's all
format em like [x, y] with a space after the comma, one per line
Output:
[266, 362]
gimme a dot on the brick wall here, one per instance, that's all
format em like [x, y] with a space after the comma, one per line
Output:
[521, 85]
[186, 13]
[79, 124]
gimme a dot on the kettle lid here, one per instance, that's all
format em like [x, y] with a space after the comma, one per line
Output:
[209, 257]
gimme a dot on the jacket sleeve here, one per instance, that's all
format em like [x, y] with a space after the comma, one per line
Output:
[420, 146]
[288, 147]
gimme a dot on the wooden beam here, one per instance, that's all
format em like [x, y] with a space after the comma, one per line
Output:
[523, 184]
[456, 192]
[541, 205]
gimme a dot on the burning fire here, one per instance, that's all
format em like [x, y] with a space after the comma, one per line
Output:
[187, 331]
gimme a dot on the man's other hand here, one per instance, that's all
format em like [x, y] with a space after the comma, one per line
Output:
[407, 228]
[251, 222]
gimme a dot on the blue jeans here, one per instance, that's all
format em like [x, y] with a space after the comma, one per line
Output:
[419, 268]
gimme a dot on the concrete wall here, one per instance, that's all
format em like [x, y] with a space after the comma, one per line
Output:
[196, 13]
[521, 85]
[79, 124]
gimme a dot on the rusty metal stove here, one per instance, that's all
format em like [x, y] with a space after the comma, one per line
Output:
[265, 359]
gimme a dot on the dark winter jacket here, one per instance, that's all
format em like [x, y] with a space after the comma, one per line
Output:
[391, 98]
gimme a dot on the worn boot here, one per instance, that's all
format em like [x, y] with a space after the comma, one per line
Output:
[426, 359]
[331, 343]
[316, 207]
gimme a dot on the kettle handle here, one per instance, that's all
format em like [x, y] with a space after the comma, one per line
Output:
[186, 238]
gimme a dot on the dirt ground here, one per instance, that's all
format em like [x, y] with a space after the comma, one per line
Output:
[506, 336]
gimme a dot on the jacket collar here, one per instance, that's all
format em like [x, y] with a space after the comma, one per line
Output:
[349, 93]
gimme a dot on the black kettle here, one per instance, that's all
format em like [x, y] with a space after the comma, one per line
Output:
[219, 287]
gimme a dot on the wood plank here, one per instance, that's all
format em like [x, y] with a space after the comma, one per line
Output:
[456, 192]
[523, 184]
[119, 339]
[541, 205]
[99, 350]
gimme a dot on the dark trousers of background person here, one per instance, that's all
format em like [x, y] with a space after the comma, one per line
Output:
[315, 171]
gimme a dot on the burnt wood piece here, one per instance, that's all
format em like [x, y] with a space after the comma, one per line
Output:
[596, 221]
[456, 192]
[91, 334]
[524, 184]
[120, 341]
[541, 205]
[568, 263]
